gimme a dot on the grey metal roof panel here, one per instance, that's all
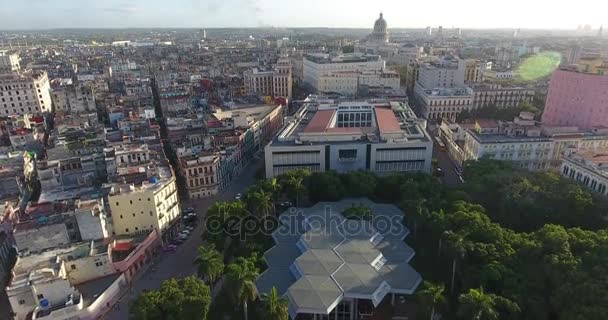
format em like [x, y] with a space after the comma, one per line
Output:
[358, 279]
[358, 252]
[396, 251]
[319, 262]
[282, 255]
[314, 293]
[401, 277]
[322, 238]
[281, 278]
[285, 234]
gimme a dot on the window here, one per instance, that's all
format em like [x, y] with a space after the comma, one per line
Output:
[98, 264]
[126, 229]
[40, 296]
[117, 203]
[121, 216]
[21, 301]
[73, 267]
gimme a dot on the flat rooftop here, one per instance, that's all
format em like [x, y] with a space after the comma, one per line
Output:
[321, 58]
[320, 120]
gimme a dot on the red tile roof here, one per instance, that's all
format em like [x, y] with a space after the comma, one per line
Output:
[387, 122]
[320, 121]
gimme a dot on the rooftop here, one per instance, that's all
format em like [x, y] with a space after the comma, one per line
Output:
[321, 58]
[320, 120]
[596, 161]
[320, 257]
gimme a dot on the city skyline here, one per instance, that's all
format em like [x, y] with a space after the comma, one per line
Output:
[472, 14]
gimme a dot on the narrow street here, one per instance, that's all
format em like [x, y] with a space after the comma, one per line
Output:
[180, 262]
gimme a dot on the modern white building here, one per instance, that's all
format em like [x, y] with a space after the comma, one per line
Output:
[24, 93]
[344, 73]
[588, 168]
[447, 72]
[380, 136]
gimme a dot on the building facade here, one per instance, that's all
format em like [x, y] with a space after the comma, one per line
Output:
[475, 70]
[443, 102]
[201, 174]
[588, 168]
[577, 99]
[376, 136]
[499, 96]
[150, 206]
[9, 62]
[22, 93]
[277, 82]
[343, 74]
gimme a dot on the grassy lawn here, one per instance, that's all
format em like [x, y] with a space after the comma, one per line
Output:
[539, 66]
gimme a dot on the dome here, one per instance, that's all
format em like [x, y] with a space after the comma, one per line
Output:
[380, 24]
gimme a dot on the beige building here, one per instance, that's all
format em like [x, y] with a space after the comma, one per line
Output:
[275, 82]
[22, 93]
[201, 174]
[148, 206]
[73, 98]
[475, 69]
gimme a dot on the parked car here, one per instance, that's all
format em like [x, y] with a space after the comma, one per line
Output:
[238, 196]
[188, 210]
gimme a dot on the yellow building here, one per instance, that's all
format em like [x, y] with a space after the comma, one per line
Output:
[201, 174]
[142, 208]
[595, 64]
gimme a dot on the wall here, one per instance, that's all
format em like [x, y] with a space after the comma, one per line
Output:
[89, 268]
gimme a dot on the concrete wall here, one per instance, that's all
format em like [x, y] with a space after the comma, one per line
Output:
[89, 268]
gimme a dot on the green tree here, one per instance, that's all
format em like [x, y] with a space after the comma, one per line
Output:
[477, 305]
[274, 307]
[209, 263]
[431, 296]
[262, 203]
[240, 281]
[187, 298]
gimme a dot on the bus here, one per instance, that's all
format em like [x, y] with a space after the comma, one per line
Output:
[440, 144]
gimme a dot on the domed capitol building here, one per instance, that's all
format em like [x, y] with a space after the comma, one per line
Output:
[377, 42]
[380, 33]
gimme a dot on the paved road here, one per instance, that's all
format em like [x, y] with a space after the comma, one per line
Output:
[446, 164]
[179, 263]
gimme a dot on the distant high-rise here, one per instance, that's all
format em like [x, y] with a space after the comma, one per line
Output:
[440, 31]
[600, 31]
[429, 31]
[204, 33]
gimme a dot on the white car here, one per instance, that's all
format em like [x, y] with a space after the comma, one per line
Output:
[238, 196]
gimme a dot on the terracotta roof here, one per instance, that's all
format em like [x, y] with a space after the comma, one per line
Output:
[387, 122]
[320, 121]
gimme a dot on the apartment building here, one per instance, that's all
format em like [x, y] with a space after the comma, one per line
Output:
[500, 96]
[378, 135]
[139, 208]
[201, 173]
[22, 93]
[71, 98]
[443, 102]
[276, 82]
[9, 62]
[589, 168]
[474, 70]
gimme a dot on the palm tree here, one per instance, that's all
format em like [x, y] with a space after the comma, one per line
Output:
[297, 185]
[209, 263]
[262, 203]
[458, 249]
[432, 296]
[272, 186]
[274, 307]
[240, 280]
[477, 305]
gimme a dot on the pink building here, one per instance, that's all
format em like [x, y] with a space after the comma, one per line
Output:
[577, 99]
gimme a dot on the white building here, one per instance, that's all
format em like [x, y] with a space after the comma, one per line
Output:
[588, 168]
[22, 93]
[443, 102]
[275, 82]
[378, 135]
[448, 72]
[9, 62]
[522, 141]
[496, 95]
[344, 73]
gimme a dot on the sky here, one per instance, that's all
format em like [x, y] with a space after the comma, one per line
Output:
[551, 14]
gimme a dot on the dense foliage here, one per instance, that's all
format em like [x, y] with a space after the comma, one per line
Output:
[187, 298]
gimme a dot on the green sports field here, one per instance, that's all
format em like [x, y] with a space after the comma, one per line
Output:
[538, 66]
